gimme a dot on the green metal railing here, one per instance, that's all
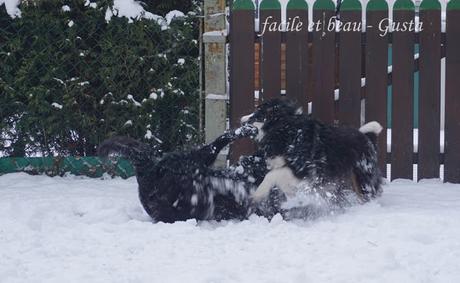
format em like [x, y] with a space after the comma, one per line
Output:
[59, 166]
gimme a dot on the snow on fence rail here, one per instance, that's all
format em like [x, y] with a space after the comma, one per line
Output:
[317, 62]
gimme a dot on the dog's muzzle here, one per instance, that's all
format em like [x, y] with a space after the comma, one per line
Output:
[246, 119]
[247, 130]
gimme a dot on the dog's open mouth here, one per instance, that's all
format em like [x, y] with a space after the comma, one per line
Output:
[251, 120]
[256, 128]
[246, 119]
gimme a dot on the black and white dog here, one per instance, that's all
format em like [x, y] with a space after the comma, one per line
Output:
[182, 185]
[337, 161]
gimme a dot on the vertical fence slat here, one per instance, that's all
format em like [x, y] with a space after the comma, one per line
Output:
[452, 149]
[270, 16]
[323, 61]
[257, 73]
[241, 70]
[297, 53]
[376, 74]
[350, 64]
[430, 90]
[403, 93]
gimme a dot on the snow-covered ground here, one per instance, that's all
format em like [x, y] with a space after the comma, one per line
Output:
[85, 230]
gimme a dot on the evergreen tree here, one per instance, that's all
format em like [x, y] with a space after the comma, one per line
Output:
[70, 79]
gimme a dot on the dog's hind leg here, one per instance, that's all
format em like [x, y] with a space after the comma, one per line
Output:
[356, 187]
[208, 153]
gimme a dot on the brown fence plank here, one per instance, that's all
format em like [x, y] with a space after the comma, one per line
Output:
[403, 93]
[323, 62]
[376, 74]
[430, 90]
[297, 53]
[270, 16]
[350, 64]
[241, 74]
[452, 150]
[257, 66]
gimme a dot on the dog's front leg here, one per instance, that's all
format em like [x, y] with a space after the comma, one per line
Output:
[270, 180]
[264, 188]
[282, 178]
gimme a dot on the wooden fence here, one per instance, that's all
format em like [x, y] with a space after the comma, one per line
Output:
[323, 64]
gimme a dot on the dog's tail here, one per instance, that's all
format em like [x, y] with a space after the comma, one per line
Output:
[372, 130]
[133, 150]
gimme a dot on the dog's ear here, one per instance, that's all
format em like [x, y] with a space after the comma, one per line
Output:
[270, 111]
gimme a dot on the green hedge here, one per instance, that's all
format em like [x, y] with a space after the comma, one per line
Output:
[70, 79]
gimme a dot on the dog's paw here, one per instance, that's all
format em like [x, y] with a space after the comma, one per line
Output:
[247, 131]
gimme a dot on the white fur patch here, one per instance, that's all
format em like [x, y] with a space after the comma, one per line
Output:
[194, 200]
[260, 133]
[246, 118]
[282, 178]
[276, 162]
[371, 127]
[365, 166]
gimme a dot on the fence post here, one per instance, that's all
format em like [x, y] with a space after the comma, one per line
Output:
[324, 61]
[242, 70]
[402, 125]
[452, 143]
[350, 64]
[297, 54]
[270, 12]
[377, 74]
[214, 39]
[430, 90]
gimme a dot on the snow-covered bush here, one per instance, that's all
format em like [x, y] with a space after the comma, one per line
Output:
[75, 72]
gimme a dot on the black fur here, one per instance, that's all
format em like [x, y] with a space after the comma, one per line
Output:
[182, 185]
[321, 154]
